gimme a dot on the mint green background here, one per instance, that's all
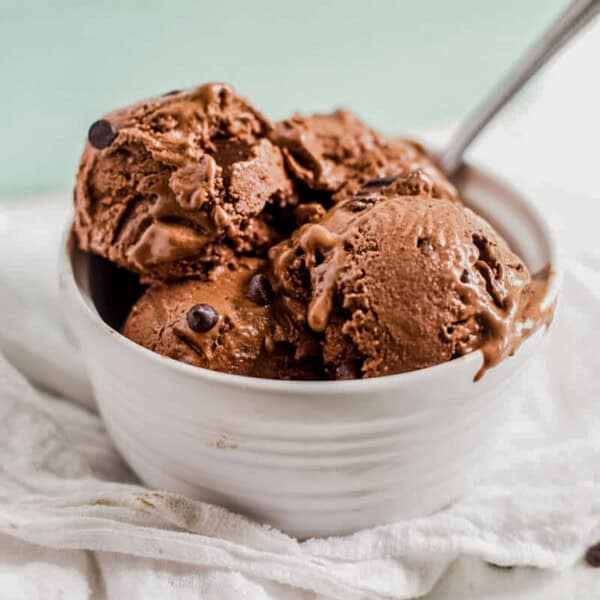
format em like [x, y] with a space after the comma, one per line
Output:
[400, 64]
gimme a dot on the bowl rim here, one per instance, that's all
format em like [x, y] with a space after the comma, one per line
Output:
[68, 284]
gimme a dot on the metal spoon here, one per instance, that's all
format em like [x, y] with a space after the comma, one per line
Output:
[578, 14]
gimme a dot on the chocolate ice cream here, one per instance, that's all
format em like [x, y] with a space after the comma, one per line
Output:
[395, 279]
[337, 153]
[208, 323]
[177, 184]
[375, 266]
[220, 323]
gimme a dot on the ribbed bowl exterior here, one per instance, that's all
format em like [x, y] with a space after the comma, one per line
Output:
[310, 458]
[298, 462]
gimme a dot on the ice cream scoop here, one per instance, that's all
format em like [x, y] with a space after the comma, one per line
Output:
[208, 323]
[222, 323]
[174, 185]
[337, 153]
[395, 279]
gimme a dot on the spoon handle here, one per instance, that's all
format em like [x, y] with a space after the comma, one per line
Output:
[578, 14]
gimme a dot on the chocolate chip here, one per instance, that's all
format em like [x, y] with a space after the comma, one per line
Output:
[202, 317]
[380, 182]
[172, 93]
[592, 556]
[347, 370]
[260, 290]
[101, 134]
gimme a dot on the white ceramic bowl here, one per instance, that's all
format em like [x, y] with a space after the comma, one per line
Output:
[311, 458]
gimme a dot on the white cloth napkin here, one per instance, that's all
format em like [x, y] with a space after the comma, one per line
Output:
[64, 488]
